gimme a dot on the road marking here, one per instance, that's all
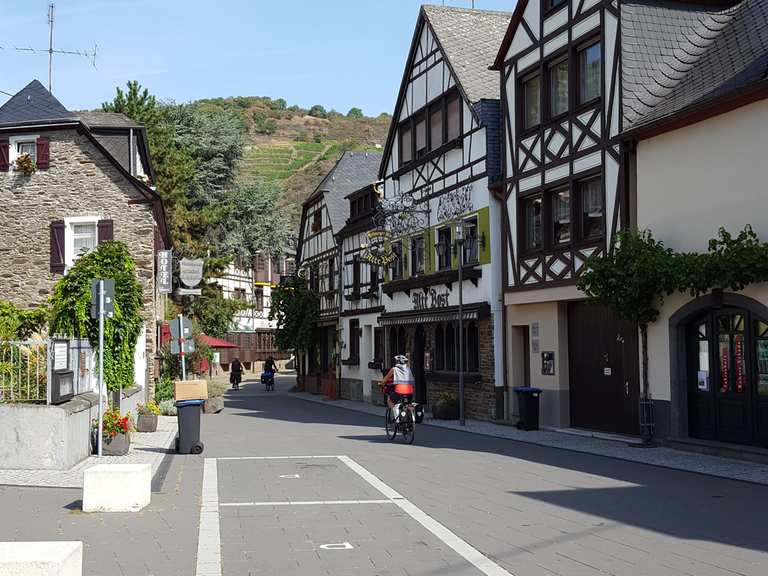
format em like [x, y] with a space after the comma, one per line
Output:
[457, 544]
[209, 536]
[337, 546]
[277, 457]
[289, 476]
[306, 502]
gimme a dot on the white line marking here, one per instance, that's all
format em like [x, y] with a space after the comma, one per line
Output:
[289, 476]
[337, 546]
[276, 457]
[306, 502]
[461, 547]
[209, 536]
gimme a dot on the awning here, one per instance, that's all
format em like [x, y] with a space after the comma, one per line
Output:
[433, 315]
[216, 342]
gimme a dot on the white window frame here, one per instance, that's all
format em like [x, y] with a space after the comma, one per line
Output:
[13, 143]
[69, 236]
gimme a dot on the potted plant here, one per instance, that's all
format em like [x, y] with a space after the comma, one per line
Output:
[147, 420]
[24, 163]
[445, 406]
[116, 439]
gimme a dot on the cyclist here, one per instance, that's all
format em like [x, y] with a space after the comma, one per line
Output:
[398, 384]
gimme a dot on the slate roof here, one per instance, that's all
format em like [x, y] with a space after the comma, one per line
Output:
[678, 56]
[33, 103]
[470, 40]
[106, 120]
[353, 171]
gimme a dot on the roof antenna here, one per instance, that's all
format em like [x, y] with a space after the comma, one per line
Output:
[51, 11]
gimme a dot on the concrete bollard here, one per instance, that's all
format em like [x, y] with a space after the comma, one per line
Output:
[117, 487]
[41, 558]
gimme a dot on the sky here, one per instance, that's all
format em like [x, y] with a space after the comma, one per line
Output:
[338, 53]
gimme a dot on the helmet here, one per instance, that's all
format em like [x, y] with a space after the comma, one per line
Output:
[401, 359]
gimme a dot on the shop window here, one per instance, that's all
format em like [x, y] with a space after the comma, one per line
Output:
[439, 359]
[590, 82]
[591, 200]
[531, 101]
[417, 255]
[561, 217]
[558, 88]
[532, 212]
[450, 348]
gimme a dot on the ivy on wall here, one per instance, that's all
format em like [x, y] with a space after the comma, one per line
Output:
[71, 309]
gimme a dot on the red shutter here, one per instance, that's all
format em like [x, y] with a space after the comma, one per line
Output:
[57, 246]
[106, 230]
[4, 155]
[43, 153]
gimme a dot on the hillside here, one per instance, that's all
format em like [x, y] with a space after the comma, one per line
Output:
[294, 147]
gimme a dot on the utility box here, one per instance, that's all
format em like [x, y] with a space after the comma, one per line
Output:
[190, 389]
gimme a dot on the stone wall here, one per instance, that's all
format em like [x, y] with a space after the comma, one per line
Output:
[79, 182]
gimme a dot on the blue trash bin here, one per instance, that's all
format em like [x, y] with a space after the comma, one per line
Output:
[188, 413]
[528, 403]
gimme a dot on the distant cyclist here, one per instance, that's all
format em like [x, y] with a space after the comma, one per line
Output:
[398, 384]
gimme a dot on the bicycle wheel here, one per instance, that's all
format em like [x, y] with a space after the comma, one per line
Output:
[409, 427]
[389, 425]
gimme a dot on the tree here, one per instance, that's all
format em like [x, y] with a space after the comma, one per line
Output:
[355, 113]
[633, 279]
[295, 309]
[318, 111]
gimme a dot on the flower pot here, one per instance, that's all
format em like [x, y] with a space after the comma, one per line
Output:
[146, 423]
[214, 405]
[116, 446]
[445, 411]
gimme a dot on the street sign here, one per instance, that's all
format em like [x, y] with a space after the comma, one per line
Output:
[187, 323]
[188, 291]
[109, 298]
[189, 346]
[191, 271]
[164, 271]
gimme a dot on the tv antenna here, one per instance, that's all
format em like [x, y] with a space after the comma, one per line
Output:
[90, 54]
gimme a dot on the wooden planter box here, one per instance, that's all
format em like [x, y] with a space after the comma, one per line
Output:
[146, 423]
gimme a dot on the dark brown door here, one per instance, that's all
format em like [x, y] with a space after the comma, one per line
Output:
[417, 364]
[603, 358]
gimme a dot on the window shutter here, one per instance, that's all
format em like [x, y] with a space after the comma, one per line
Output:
[43, 153]
[106, 230]
[57, 246]
[4, 157]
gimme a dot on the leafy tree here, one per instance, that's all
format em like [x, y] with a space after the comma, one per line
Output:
[279, 104]
[262, 124]
[355, 113]
[633, 280]
[318, 111]
[295, 309]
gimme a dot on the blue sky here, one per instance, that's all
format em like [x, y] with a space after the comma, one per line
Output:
[338, 53]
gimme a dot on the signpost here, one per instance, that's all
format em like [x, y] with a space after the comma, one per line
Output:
[182, 342]
[102, 305]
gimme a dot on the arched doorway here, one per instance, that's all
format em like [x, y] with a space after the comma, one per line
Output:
[725, 367]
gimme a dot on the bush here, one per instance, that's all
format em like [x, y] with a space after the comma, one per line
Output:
[318, 111]
[150, 407]
[164, 389]
[16, 324]
[216, 389]
[168, 408]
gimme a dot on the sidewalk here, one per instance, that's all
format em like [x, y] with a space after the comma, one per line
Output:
[658, 456]
[147, 447]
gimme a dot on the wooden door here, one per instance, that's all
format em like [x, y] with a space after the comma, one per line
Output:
[603, 358]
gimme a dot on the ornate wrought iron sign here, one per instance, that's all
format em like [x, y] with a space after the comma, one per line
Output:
[453, 204]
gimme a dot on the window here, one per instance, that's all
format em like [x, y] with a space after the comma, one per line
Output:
[290, 266]
[27, 147]
[532, 212]
[561, 217]
[436, 126]
[378, 344]
[331, 273]
[531, 101]
[314, 278]
[317, 220]
[356, 275]
[453, 117]
[258, 298]
[555, 3]
[558, 88]
[406, 144]
[471, 347]
[450, 348]
[84, 238]
[591, 200]
[444, 248]
[417, 255]
[239, 293]
[470, 241]
[354, 340]
[439, 361]
[397, 263]
[373, 270]
[589, 73]
[421, 136]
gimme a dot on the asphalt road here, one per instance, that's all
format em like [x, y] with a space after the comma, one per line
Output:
[290, 487]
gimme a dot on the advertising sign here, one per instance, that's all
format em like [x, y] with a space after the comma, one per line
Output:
[191, 271]
[164, 271]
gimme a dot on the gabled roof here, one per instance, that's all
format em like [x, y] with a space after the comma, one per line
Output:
[470, 39]
[353, 171]
[681, 57]
[107, 120]
[509, 35]
[32, 104]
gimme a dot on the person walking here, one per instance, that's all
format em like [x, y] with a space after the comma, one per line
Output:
[236, 373]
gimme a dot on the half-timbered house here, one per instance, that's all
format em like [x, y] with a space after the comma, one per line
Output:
[441, 156]
[324, 214]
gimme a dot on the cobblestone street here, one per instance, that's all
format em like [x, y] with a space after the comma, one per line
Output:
[287, 486]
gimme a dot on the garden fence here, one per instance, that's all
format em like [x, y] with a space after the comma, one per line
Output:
[24, 371]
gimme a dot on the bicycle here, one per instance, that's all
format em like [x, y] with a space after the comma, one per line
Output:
[406, 424]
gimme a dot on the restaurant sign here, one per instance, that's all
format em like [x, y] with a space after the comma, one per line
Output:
[431, 299]
[378, 251]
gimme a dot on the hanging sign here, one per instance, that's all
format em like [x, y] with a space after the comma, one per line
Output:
[191, 271]
[378, 251]
[164, 264]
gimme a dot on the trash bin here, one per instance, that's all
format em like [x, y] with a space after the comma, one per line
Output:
[528, 403]
[188, 440]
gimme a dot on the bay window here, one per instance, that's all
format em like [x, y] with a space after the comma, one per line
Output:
[589, 59]
[558, 87]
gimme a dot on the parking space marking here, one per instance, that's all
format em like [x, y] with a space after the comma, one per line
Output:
[209, 535]
[277, 457]
[306, 503]
[457, 544]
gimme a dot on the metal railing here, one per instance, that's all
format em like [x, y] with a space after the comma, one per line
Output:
[24, 371]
